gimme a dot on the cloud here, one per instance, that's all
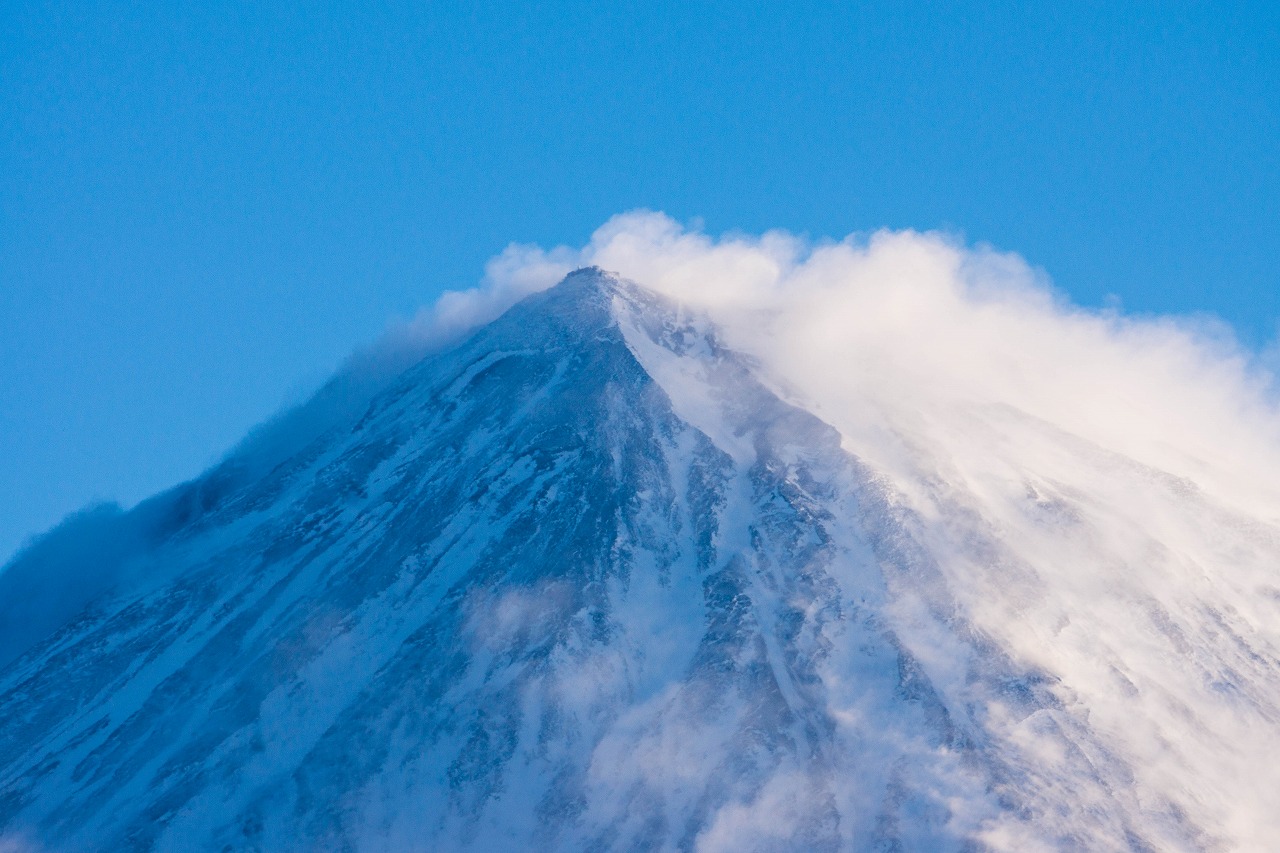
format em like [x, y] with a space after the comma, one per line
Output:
[50, 580]
[774, 819]
[880, 329]
[873, 330]
[506, 621]
[1101, 492]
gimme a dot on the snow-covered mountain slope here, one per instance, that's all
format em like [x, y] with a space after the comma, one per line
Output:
[590, 581]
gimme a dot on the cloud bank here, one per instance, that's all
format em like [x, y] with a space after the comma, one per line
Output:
[875, 331]
[881, 332]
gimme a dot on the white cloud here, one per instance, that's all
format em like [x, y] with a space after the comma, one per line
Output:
[885, 329]
[1102, 492]
[770, 821]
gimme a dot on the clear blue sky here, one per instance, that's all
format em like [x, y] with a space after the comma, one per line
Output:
[205, 206]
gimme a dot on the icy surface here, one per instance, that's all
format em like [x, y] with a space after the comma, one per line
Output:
[586, 582]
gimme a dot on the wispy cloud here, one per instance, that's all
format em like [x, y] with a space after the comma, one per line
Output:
[1101, 492]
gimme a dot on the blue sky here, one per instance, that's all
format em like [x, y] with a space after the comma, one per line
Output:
[204, 207]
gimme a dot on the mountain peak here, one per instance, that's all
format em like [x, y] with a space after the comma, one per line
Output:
[578, 309]
[585, 288]
[591, 277]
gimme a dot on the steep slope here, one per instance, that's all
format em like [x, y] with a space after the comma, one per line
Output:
[587, 582]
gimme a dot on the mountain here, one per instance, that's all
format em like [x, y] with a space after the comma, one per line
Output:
[591, 581]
